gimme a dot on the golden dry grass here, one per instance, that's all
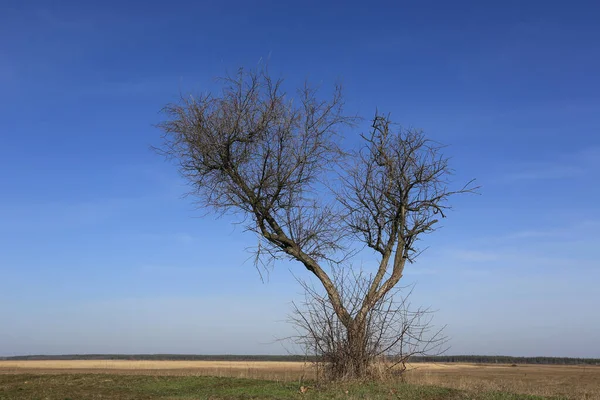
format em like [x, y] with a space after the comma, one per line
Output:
[570, 381]
[574, 382]
[276, 370]
[148, 364]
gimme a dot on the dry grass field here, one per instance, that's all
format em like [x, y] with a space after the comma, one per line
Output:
[272, 370]
[572, 382]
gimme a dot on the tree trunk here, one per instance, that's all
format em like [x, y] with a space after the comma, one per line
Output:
[357, 342]
[352, 361]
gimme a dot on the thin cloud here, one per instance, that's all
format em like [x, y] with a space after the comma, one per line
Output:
[417, 271]
[177, 237]
[589, 227]
[166, 269]
[63, 215]
[475, 255]
[537, 234]
[547, 171]
[567, 166]
[531, 259]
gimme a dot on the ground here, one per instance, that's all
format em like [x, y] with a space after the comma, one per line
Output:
[111, 379]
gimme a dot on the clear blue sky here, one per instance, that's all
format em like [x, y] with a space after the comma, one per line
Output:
[99, 253]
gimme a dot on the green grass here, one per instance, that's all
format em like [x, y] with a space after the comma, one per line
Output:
[126, 387]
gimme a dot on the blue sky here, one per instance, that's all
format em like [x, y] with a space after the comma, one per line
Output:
[100, 253]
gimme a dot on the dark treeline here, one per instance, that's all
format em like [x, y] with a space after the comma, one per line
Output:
[228, 357]
[160, 357]
[508, 360]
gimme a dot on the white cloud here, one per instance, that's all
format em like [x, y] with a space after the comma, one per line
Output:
[475, 255]
[565, 166]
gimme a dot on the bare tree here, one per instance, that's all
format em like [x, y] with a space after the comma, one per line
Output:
[255, 150]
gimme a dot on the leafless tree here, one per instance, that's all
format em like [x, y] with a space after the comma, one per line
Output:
[255, 150]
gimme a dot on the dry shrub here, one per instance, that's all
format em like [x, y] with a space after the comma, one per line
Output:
[394, 331]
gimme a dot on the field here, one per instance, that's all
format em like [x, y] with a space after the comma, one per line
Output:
[116, 379]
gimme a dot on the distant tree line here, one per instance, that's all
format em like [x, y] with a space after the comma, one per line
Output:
[160, 357]
[508, 360]
[230, 357]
